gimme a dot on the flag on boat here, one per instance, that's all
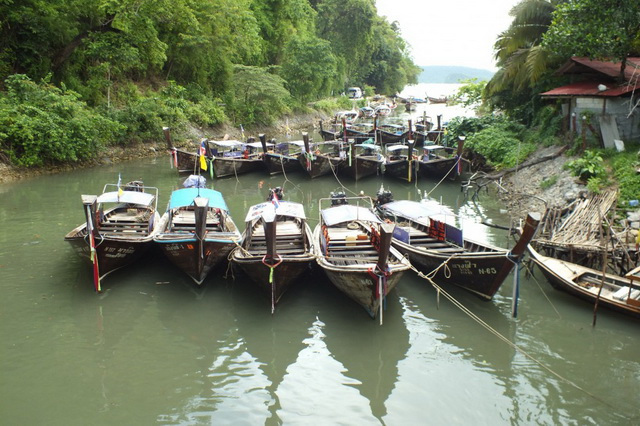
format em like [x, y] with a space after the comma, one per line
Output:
[274, 200]
[203, 156]
[120, 191]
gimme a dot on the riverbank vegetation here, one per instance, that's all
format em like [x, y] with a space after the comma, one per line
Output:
[514, 121]
[78, 75]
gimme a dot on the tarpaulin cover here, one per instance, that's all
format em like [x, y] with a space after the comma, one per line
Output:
[184, 198]
[285, 208]
[347, 213]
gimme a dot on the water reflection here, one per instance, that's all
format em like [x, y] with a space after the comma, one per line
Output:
[317, 386]
[369, 352]
[153, 349]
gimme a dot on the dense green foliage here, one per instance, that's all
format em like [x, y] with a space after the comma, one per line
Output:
[599, 29]
[141, 65]
[500, 141]
[469, 94]
[625, 168]
[42, 124]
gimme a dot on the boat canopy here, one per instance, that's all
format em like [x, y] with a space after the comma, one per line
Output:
[369, 146]
[227, 144]
[432, 147]
[393, 148]
[285, 208]
[416, 210]
[347, 213]
[184, 198]
[129, 197]
[258, 144]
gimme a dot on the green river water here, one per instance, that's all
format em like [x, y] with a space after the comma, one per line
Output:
[153, 349]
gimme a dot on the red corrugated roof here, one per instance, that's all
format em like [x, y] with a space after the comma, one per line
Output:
[577, 65]
[590, 88]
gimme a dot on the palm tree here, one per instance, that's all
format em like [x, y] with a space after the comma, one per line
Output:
[519, 53]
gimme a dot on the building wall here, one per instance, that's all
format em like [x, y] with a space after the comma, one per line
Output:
[628, 127]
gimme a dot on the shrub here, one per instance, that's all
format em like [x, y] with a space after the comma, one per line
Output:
[42, 124]
[588, 166]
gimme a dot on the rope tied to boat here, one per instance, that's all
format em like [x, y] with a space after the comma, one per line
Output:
[381, 287]
[496, 333]
[272, 267]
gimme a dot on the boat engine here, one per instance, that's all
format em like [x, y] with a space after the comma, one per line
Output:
[383, 197]
[338, 198]
[277, 191]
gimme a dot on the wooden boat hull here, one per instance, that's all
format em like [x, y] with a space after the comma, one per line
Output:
[327, 135]
[321, 165]
[399, 169]
[278, 163]
[284, 275]
[432, 244]
[388, 137]
[223, 167]
[185, 253]
[196, 232]
[186, 162]
[438, 168]
[360, 286]
[122, 234]
[276, 248]
[349, 265]
[475, 272]
[584, 283]
[360, 167]
[113, 253]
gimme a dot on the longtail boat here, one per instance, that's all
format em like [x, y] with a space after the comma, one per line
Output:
[182, 160]
[353, 247]
[284, 157]
[333, 133]
[119, 228]
[277, 247]
[612, 291]
[232, 157]
[325, 159]
[196, 233]
[439, 161]
[423, 232]
[362, 160]
[399, 161]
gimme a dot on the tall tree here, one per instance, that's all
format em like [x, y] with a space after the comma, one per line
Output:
[521, 58]
[280, 22]
[599, 29]
[348, 25]
[310, 68]
[390, 67]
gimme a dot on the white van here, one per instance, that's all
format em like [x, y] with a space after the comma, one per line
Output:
[354, 93]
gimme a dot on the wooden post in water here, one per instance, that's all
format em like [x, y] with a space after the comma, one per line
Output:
[528, 231]
[167, 137]
[605, 244]
[410, 144]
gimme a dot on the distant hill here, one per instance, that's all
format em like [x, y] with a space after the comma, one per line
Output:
[451, 74]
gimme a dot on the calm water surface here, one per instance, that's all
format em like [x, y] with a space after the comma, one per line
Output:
[152, 349]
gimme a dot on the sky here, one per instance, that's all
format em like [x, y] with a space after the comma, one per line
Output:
[450, 32]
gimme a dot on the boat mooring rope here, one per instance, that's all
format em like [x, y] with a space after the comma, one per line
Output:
[444, 177]
[496, 333]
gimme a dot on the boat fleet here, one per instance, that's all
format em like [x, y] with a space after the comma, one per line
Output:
[349, 148]
[363, 245]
